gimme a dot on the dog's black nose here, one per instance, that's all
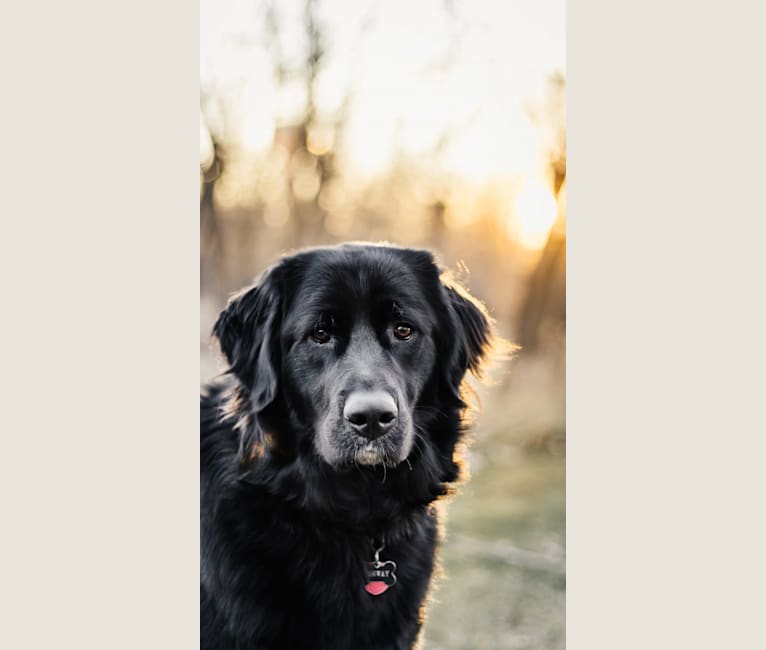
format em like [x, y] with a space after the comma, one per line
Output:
[370, 413]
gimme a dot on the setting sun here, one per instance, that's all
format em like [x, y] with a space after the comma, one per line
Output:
[534, 214]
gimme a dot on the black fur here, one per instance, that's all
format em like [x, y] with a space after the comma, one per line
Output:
[292, 500]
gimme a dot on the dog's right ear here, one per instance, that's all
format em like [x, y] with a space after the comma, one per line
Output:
[246, 331]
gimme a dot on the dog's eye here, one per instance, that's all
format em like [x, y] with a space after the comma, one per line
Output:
[403, 331]
[320, 335]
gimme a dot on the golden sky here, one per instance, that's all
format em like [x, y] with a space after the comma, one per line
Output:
[422, 69]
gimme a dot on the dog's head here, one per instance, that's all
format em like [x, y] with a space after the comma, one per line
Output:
[348, 353]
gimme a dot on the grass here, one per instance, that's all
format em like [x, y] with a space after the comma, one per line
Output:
[504, 554]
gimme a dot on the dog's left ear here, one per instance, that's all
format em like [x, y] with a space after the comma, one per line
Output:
[246, 330]
[473, 330]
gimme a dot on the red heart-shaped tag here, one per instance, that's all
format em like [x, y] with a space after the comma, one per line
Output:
[376, 587]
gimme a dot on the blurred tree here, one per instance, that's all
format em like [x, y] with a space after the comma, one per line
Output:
[310, 143]
[211, 240]
[543, 312]
[236, 228]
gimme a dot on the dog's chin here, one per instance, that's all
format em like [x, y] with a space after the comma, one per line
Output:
[385, 451]
[372, 454]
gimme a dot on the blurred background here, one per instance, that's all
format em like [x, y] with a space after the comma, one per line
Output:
[437, 124]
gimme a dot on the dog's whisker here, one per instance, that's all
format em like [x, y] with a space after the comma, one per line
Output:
[416, 441]
[420, 439]
[431, 410]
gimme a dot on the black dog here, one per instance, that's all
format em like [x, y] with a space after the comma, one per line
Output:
[325, 446]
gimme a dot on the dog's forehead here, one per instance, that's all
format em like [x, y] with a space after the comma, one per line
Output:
[355, 279]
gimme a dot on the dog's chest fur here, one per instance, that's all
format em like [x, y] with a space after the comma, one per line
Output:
[281, 583]
[276, 577]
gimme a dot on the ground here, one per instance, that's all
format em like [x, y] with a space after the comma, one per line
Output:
[504, 554]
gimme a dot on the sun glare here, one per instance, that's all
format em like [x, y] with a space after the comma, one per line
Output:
[534, 213]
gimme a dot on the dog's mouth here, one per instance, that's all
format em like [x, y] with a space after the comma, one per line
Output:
[388, 450]
[371, 454]
[342, 447]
